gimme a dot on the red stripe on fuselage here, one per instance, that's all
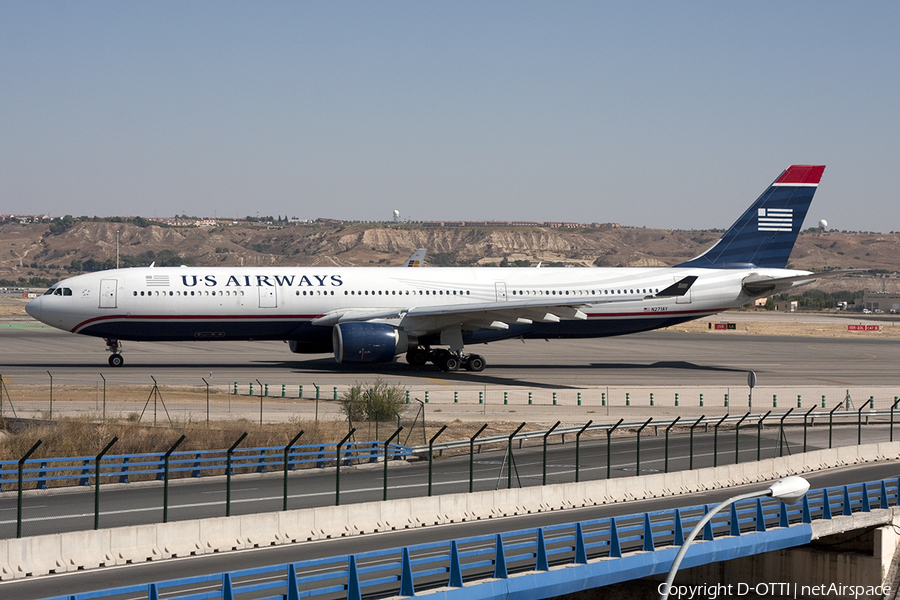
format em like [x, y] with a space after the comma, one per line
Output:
[709, 311]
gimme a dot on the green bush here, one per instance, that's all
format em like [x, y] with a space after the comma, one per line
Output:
[378, 401]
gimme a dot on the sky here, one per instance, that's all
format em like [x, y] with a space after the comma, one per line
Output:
[664, 114]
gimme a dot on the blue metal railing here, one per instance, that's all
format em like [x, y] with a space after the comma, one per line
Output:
[450, 564]
[79, 470]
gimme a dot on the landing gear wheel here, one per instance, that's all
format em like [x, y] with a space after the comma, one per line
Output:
[417, 357]
[448, 362]
[475, 362]
[116, 360]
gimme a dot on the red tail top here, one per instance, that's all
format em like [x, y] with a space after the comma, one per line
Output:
[808, 174]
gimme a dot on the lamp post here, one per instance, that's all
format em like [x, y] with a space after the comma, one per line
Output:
[789, 490]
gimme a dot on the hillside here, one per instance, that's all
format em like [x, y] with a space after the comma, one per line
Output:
[32, 250]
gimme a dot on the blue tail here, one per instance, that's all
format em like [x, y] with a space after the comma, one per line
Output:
[764, 235]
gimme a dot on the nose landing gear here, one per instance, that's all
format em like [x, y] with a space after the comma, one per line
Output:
[115, 359]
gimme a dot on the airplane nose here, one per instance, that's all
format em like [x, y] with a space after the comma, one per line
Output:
[33, 308]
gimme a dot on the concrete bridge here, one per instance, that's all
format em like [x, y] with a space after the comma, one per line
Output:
[865, 538]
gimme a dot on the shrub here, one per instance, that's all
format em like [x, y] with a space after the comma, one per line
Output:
[378, 401]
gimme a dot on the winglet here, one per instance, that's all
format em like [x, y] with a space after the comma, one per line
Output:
[679, 288]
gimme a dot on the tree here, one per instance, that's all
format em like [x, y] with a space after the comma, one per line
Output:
[378, 401]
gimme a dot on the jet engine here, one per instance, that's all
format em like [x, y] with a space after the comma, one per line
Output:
[367, 342]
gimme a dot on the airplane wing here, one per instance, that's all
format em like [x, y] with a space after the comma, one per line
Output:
[755, 284]
[493, 315]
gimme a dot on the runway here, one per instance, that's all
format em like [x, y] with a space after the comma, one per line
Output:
[662, 358]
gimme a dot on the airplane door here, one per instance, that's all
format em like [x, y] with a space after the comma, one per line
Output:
[267, 298]
[686, 299]
[108, 293]
[501, 291]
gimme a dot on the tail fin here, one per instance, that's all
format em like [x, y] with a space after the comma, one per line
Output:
[417, 258]
[764, 235]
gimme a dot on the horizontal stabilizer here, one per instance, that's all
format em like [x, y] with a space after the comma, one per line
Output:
[755, 285]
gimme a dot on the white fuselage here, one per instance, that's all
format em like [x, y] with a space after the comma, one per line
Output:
[188, 303]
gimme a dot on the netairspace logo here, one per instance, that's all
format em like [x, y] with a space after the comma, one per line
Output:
[779, 590]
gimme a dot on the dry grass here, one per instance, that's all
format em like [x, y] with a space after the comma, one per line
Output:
[84, 437]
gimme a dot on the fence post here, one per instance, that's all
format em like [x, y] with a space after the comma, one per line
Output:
[512, 461]
[781, 433]
[871, 400]
[337, 468]
[691, 451]
[97, 482]
[207, 401]
[737, 438]
[228, 474]
[609, 448]
[287, 460]
[472, 456]
[578, 449]
[678, 418]
[166, 479]
[21, 477]
[893, 406]
[51, 395]
[431, 455]
[804, 425]
[831, 420]
[716, 437]
[386, 445]
[544, 461]
[759, 435]
[638, 454]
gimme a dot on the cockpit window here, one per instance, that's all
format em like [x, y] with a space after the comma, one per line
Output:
[67, 292]
[58, 292]
[50, 291]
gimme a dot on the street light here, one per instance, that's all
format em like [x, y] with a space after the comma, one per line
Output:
[789, 490]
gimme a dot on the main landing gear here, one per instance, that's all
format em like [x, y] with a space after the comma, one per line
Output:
[115, 359]
[445, 360]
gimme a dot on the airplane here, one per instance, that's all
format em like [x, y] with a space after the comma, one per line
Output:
[417, 258]
[375, 314]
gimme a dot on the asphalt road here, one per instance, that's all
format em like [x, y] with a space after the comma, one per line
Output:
[72, 509]
[77, 582]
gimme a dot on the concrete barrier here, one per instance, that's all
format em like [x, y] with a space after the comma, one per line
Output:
[40, 555]
[134, 544]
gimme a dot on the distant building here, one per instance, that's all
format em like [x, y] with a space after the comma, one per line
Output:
[883, 302]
